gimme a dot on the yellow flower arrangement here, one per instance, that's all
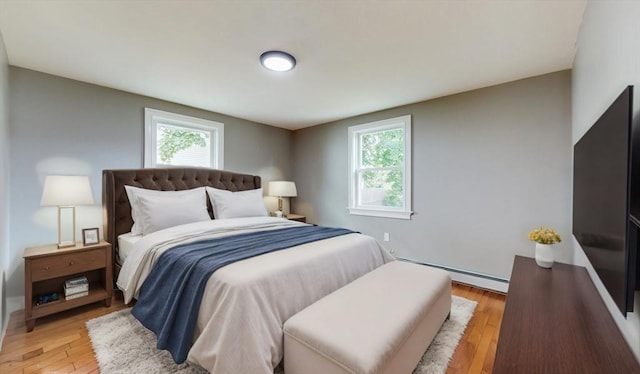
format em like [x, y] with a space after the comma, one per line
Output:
[544, 235]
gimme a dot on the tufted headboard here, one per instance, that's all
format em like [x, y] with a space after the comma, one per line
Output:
[115, 203]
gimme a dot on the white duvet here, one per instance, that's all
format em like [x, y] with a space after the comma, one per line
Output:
[245, 304]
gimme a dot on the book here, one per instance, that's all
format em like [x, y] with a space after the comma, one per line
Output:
[76, 281]
[76, 289]
[76, 295]
[44, 299]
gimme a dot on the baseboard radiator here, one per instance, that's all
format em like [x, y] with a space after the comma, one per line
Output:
[472, 278]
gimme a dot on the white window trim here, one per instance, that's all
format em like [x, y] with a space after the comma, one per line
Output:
[402, 213]
[153, 116]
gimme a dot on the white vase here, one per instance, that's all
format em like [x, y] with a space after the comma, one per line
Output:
[544, 255]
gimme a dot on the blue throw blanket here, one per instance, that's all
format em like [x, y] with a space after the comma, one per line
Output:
[171, 295]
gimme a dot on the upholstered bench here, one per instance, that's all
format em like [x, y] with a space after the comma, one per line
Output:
[382, 322]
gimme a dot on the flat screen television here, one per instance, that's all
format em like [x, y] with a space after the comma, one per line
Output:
[602, 199]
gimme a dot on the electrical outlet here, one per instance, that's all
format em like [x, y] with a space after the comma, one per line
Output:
[386, 236]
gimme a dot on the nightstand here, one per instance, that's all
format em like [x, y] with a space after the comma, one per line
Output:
[296, 217]
[46, 268]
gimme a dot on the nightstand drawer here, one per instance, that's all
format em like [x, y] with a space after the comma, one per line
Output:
[57, 266]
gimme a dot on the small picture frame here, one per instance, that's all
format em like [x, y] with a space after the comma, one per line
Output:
[90, 236]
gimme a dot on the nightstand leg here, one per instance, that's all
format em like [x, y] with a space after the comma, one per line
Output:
[30, 324]
[107, 302]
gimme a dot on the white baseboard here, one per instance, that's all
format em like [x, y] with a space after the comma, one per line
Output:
[488, 284]
[472, 278]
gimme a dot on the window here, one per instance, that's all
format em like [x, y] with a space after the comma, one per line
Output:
[175, 140]
[380, 168]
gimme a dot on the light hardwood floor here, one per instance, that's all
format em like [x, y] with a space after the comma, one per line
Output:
[60, 344]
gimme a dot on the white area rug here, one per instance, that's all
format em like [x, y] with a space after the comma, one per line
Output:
[122, 345]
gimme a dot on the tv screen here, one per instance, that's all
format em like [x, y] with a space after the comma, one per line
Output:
[601, 199]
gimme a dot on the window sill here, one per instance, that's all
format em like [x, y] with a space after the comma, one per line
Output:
[380, 213]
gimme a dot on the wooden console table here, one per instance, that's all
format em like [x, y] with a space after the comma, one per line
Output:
[556, 322]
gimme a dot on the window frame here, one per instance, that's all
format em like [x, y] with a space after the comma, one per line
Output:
[153, 116]
[355, 208]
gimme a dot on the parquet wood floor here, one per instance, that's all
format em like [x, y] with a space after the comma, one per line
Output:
[60, 343]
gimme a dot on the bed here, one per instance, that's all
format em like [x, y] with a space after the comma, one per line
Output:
[245, 304]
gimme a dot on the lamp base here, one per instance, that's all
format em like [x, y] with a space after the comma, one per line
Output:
[66, 238]
[66, 245]
[278, 213]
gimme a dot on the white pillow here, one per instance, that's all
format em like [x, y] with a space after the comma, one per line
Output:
[227, 204]
[195, 202]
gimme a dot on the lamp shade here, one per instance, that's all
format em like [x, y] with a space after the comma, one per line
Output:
[282, 189]
[60, 190]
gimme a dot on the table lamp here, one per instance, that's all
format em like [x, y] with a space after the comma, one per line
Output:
[282, 189]
[65, 192]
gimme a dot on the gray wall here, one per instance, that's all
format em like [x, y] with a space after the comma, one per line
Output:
[62, 126]
[488, 166]
[4, 179]
[607, 60]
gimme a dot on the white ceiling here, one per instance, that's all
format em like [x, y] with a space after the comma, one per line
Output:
[353, 57]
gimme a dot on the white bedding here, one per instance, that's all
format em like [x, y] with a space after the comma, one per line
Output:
[126, 244]
[245, 304]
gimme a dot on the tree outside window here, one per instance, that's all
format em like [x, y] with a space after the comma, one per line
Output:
[383, 153]
[179, 146]
[177, 140]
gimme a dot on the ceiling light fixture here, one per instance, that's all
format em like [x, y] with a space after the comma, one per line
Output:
[277, 61]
